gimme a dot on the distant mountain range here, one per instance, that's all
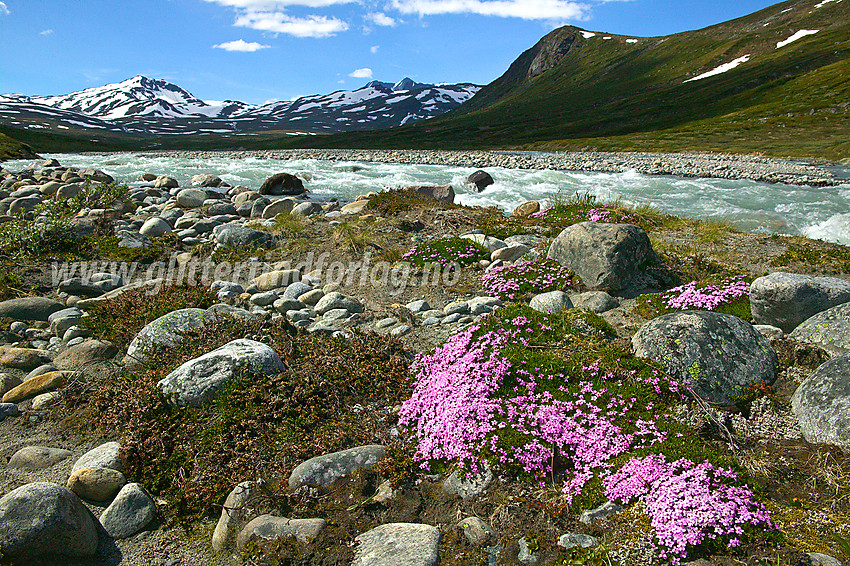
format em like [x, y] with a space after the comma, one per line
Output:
[142, 106]
[773, 82]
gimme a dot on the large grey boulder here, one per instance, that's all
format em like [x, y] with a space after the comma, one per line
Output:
[282, 184]
[605, 256]
[45, 518]
[85, 353]
[325, 469]
[167, 331]
[480, 180]
[718, 355]
[130, 512]
[822, 403]
[29, 308]
[238, 236]
[398, 544]
[829, 329]
[785, 300]
[196, 382]
[205, 180]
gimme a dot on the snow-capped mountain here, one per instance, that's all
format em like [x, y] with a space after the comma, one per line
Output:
[151, 106]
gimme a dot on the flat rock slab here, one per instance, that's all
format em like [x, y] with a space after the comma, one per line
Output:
[605, 256]
[29, 308]
[130, 512]
[398, 544]
[49, 381]
[718, 355]
[268, 529]
[325, 469]
[822, 403]
[785, 300]
[107, 455]
[44, 518]
[166, 330]
[197, 381]
[38, 457]
[829, 329]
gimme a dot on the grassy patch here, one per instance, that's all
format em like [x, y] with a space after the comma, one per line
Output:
[830, 257]
[390, 203]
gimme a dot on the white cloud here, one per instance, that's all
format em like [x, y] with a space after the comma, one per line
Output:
[525, 9]
[374, 48]
[241, 45]
[280, 22]
[276, 5]
[45, 32]
[4, 11]
[361, 73]
[381, 19]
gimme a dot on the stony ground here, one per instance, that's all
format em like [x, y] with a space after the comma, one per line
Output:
[793, 472]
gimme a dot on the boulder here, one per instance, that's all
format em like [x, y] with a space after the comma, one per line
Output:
[164, 182]
[324, 470]
[234, 515]
[155, 227]
[196, 382]
[268, 529]
[551, 302]
[468, 486]
[442, 193]
[96, 484]
[785, 300]
[604, 256]
[238, 236]
[205, 180]
[282, 184]
[480, 180]
[22, 358]
[829, 329]
[45, 519]
[107, 455]
[85, 353]
[8, 382]
[398, 544]
[526, 209]
[280, 206]
[822, 404]
[34, 458]
[307, 209]
[277, 279]
[718, 355]
[26, 204]
[166, 331]
[30, 388]
[336, 300]
[356, 207]
[130, 512]
[477, 531]
[29, 308]
[595, 301]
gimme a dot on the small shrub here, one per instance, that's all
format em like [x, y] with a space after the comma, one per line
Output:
[389, 203]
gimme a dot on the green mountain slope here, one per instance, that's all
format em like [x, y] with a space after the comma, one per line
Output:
[11, 148]
[572, 90]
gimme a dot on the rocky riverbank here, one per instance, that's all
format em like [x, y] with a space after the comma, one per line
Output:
[211, 376]
[721, 166]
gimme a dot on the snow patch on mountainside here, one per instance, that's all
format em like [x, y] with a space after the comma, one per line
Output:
[799, 35]
[721, 69]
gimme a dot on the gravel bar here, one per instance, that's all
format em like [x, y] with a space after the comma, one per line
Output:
[714, 165]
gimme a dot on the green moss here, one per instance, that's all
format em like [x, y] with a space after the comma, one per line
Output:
[446, 251]
[390, 203]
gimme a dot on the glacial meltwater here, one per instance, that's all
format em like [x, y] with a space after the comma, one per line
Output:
[816, 212]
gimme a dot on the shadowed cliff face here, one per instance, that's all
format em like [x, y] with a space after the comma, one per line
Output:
[551, 49]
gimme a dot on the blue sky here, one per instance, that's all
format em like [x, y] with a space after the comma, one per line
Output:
[262, 50]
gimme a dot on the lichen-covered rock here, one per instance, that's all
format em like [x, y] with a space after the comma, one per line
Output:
[785, 300]
[324, 470]
[718, 355]
[197, 381]
[268, 529]
[829, 329]
[604, 256]
[398, 544]
[45, 519]
[130, 512]
[166, 330]
[238, 236]
[822, 403]
[107, 455]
